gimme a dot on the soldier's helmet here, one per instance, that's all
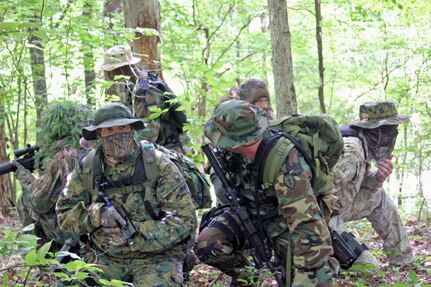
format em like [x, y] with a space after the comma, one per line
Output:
[252, 90]
[379, 113]
[235, 123]
[111, 115]
[118, 56]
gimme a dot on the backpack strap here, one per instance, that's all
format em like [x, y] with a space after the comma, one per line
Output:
[151, 160]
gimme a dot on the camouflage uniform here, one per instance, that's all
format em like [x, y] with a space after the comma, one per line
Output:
[60, 153]
[140, 96]
[360, 194]
[37, 203]
[156, 257]
[297, 218]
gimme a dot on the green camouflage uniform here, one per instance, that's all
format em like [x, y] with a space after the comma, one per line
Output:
[61, 129]
[360, 194]
[166, 129]
[298, 218]
[37, 203]
[156, 257]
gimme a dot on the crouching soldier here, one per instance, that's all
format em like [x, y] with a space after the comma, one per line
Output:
[137, 230]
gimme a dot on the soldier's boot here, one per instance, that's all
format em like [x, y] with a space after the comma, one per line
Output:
[369, 260]
[189, 263]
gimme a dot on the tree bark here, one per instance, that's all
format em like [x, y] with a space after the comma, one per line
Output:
[5, 194]
[145, 14]
[320, 56]
[282, 57]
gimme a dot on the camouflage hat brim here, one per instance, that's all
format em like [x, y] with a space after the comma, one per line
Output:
[244, 133]
[90, 132]
[113, 66]
[375, 123]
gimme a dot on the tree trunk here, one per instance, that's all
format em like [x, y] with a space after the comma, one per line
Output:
[145, 15]
[38, 76]
[282, 57]
[89, 74]
[5, 194]
[320, 55]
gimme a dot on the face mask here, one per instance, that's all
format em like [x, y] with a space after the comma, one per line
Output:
[118, 146]
[381, 141]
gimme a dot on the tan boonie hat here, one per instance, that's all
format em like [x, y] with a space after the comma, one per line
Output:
[118, 56]
[111, 115]
[235, 123]
[375, 114]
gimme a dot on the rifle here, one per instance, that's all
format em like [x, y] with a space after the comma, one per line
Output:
[69, 245]
[262, 251]
[27, 161]
[128, 230]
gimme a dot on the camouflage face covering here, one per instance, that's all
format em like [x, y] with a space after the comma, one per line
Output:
[118, 146]
[381, 141]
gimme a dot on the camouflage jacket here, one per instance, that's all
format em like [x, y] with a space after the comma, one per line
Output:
[298, 213]
[353, 172]
[79, 210]
[37, 203]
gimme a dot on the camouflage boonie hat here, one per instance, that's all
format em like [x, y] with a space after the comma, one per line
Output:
[118, 56]
[235, 123]
[376, 114]
[111, 115]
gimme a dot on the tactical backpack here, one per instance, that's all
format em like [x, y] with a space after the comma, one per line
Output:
[145, 173]
[317, 138]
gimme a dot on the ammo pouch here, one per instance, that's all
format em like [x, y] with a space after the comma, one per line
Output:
[346, 248]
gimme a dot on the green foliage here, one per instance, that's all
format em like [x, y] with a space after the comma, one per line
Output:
[39, 260]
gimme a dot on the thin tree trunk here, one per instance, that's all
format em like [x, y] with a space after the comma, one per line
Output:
[320, 55]
[145, 14]
[89, 74]
[282, 57]
[5, 194]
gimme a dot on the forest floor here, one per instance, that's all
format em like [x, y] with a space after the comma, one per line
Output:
[418, 275]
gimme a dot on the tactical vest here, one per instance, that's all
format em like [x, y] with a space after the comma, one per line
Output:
[145, 176]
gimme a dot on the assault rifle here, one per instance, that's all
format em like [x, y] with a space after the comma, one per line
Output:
[27, 160]
[262, 251]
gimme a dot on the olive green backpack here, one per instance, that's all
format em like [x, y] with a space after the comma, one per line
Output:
[318, 139]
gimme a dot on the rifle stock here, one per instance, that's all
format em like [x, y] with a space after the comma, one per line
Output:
[262, 252]
[27, 161]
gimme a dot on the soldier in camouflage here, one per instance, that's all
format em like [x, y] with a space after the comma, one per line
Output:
[255, 92]
[359, 189]
[58, 157]
[289, 209]
[143, 92]
[163, 218]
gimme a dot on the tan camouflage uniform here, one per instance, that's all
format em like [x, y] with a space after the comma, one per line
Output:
[360, 195]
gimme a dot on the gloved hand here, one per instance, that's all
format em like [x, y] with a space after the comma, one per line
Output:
[110, 218]
[114, 236]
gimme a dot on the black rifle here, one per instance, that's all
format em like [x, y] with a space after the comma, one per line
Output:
[27, 160]
[262, 251]
[69, 246]
[128, 230]
[346, 248]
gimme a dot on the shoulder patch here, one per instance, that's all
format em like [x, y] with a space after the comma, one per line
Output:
[289, 181]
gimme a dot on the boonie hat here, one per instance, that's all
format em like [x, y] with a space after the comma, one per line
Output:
[235, 123]
[118, 56]
[375, 114]
[111, 115]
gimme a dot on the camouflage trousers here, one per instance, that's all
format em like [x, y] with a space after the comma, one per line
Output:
[379, 209]
[222, 244]
[157, 270]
